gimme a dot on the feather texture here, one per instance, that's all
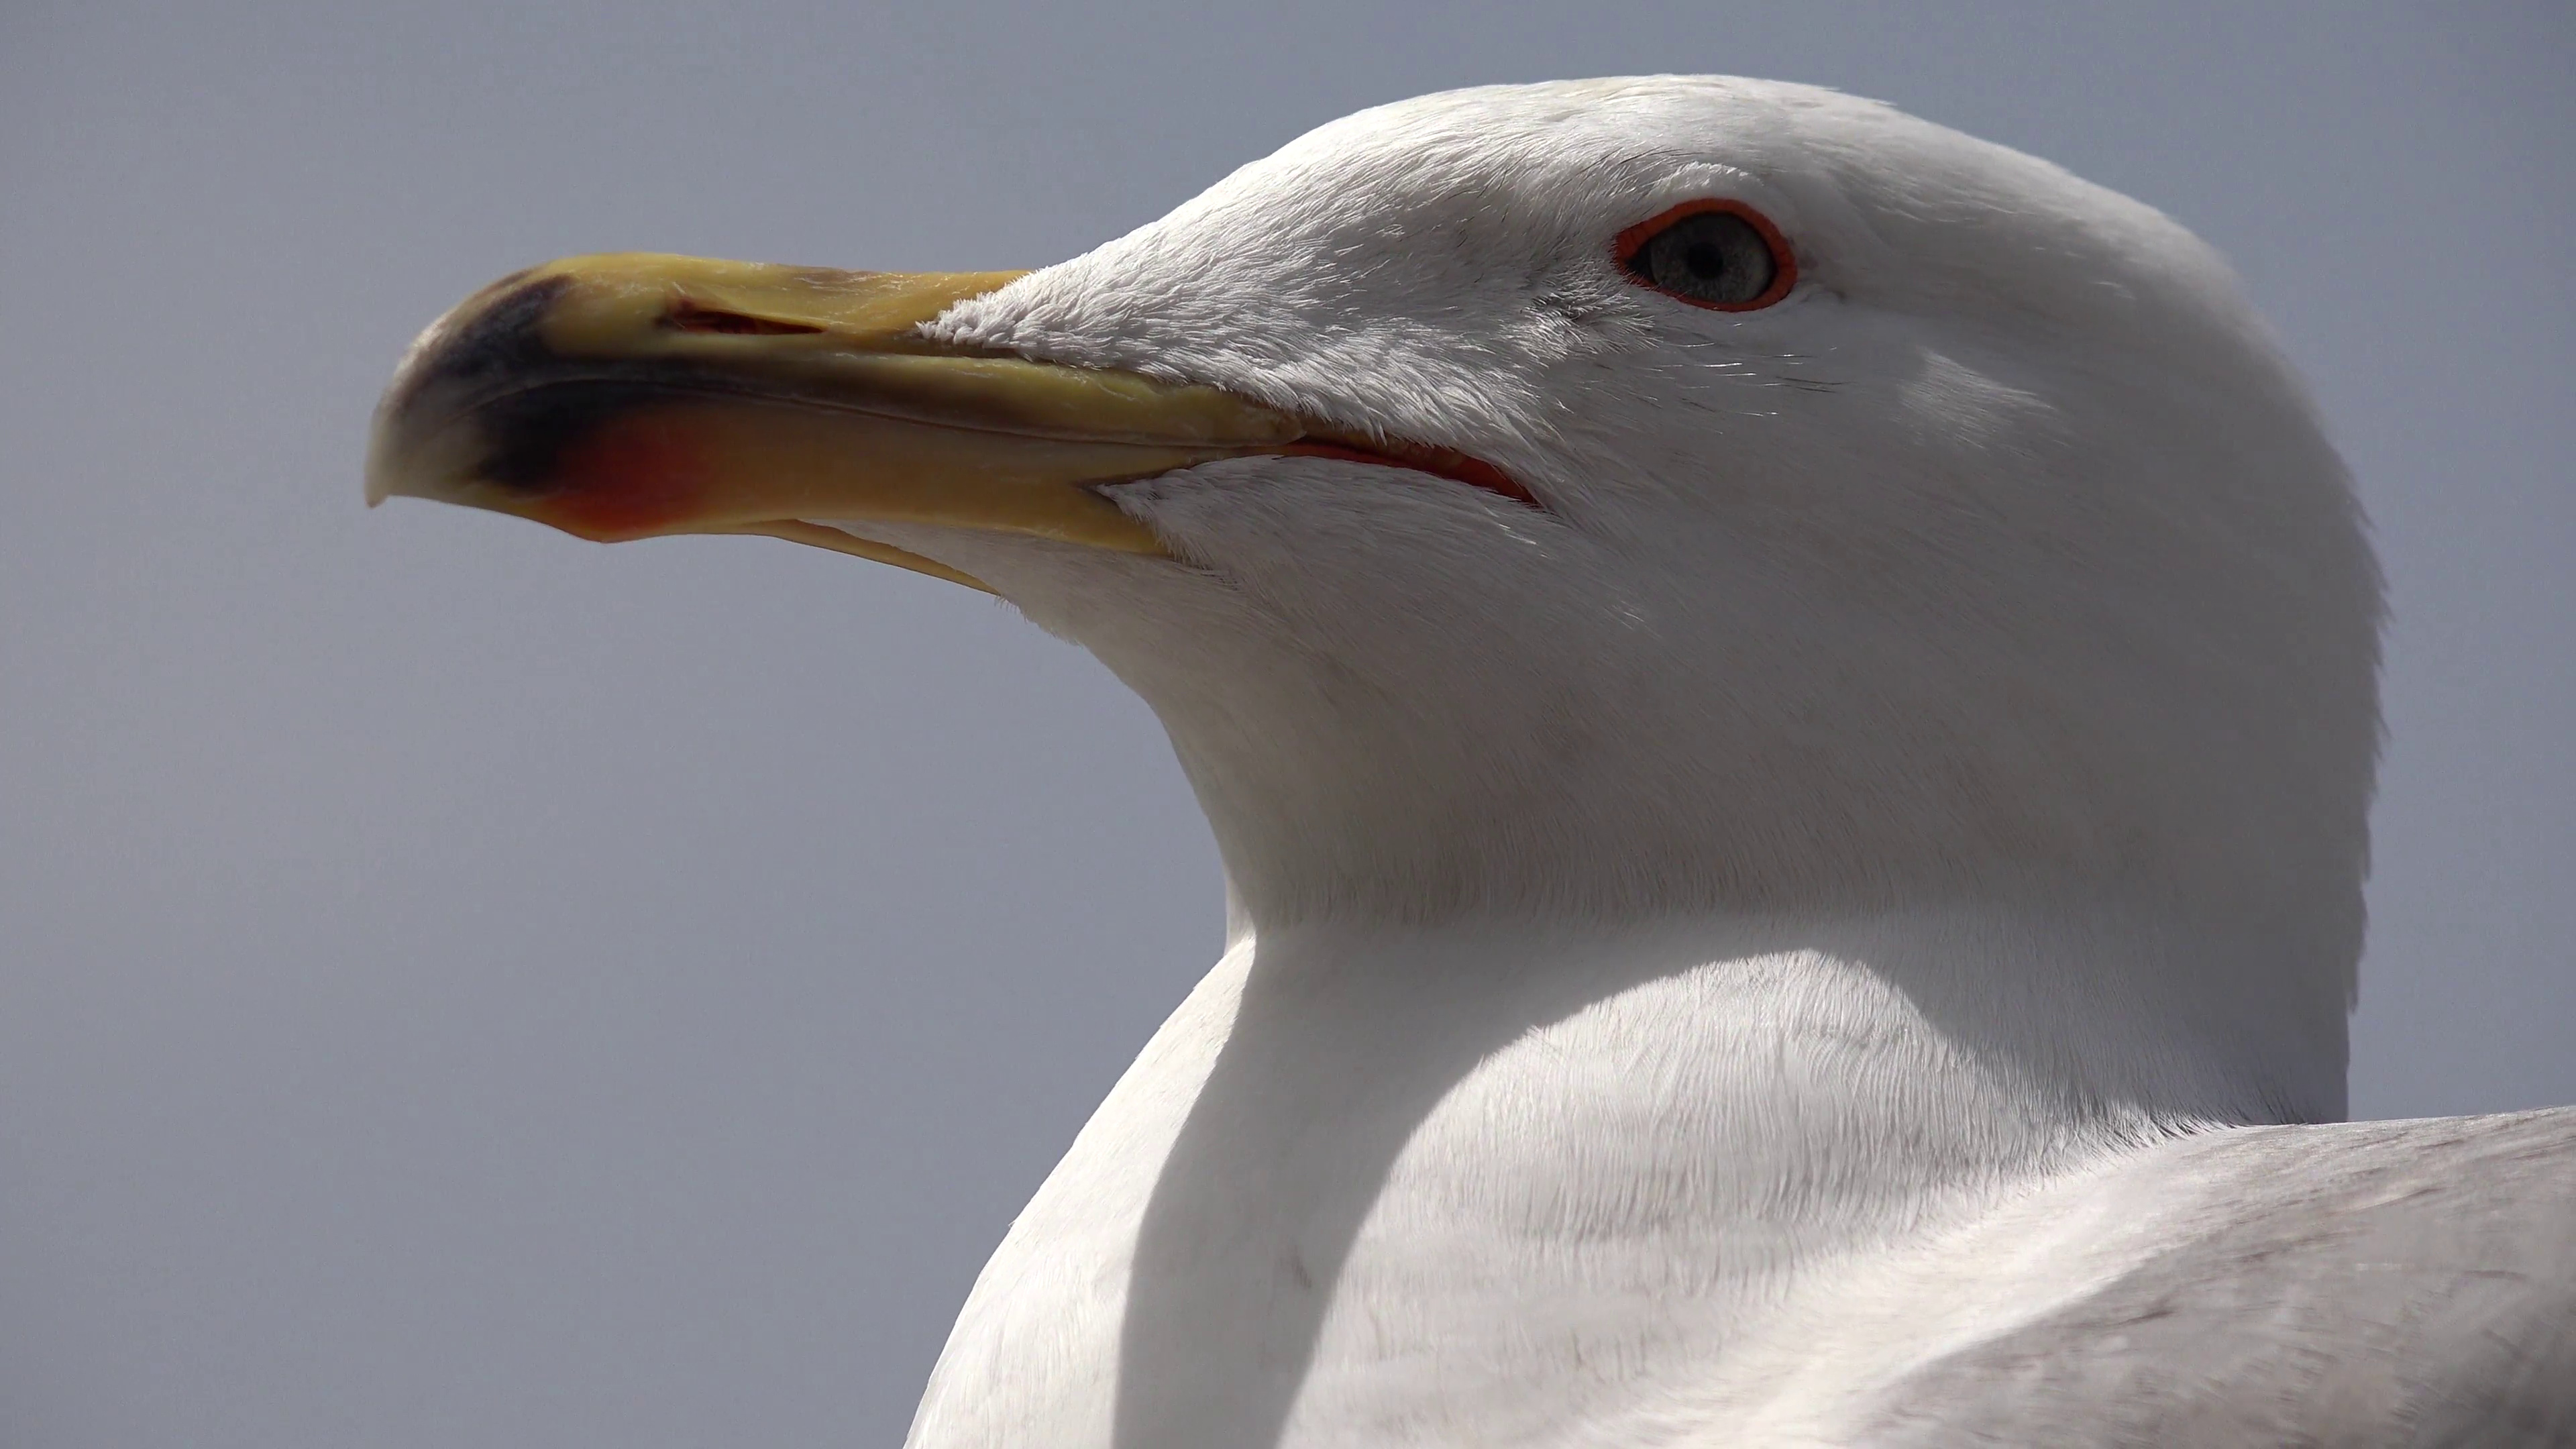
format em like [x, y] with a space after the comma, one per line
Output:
[1836, 926]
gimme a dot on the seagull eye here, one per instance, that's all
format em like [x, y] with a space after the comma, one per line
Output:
[1719, 254]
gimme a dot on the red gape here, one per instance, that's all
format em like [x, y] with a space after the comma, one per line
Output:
[1446, 463]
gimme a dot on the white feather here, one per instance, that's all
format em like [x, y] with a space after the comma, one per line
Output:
[1761, 949]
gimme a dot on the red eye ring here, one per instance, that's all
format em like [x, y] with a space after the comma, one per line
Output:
[1784, 262]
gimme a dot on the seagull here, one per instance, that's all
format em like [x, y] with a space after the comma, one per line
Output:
[1789, 702]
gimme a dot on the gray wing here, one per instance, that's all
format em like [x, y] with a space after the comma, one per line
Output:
[2378, 1283]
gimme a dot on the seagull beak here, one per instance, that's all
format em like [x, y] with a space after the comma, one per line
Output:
[635, 395]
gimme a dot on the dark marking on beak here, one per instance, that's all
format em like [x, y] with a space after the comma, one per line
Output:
[505, 341]
[531, 406]
[528, 435]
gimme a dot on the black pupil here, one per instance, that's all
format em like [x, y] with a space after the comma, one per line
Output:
[1711, 256]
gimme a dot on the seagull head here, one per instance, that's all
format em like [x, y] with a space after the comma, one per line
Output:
[1600, 499]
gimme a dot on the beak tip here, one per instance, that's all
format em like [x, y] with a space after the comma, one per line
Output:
[379, 472]
[406, 459]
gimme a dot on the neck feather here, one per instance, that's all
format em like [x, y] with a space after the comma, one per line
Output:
[1480, 1143]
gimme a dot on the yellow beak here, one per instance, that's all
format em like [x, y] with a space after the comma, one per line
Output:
[632, 395]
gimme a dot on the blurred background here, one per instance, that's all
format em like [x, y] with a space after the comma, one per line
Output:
[463, 986]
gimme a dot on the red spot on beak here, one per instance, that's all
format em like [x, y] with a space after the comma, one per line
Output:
[633, 478]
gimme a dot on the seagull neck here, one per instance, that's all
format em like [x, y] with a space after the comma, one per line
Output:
[2067, 1017]
[1360, 1147]
[1727, 1097]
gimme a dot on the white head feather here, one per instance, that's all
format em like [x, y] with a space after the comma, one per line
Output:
[2004, 559]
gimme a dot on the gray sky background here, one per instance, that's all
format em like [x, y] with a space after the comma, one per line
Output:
[464, 986]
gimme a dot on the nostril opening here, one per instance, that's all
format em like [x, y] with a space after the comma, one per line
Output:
[688, 316]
